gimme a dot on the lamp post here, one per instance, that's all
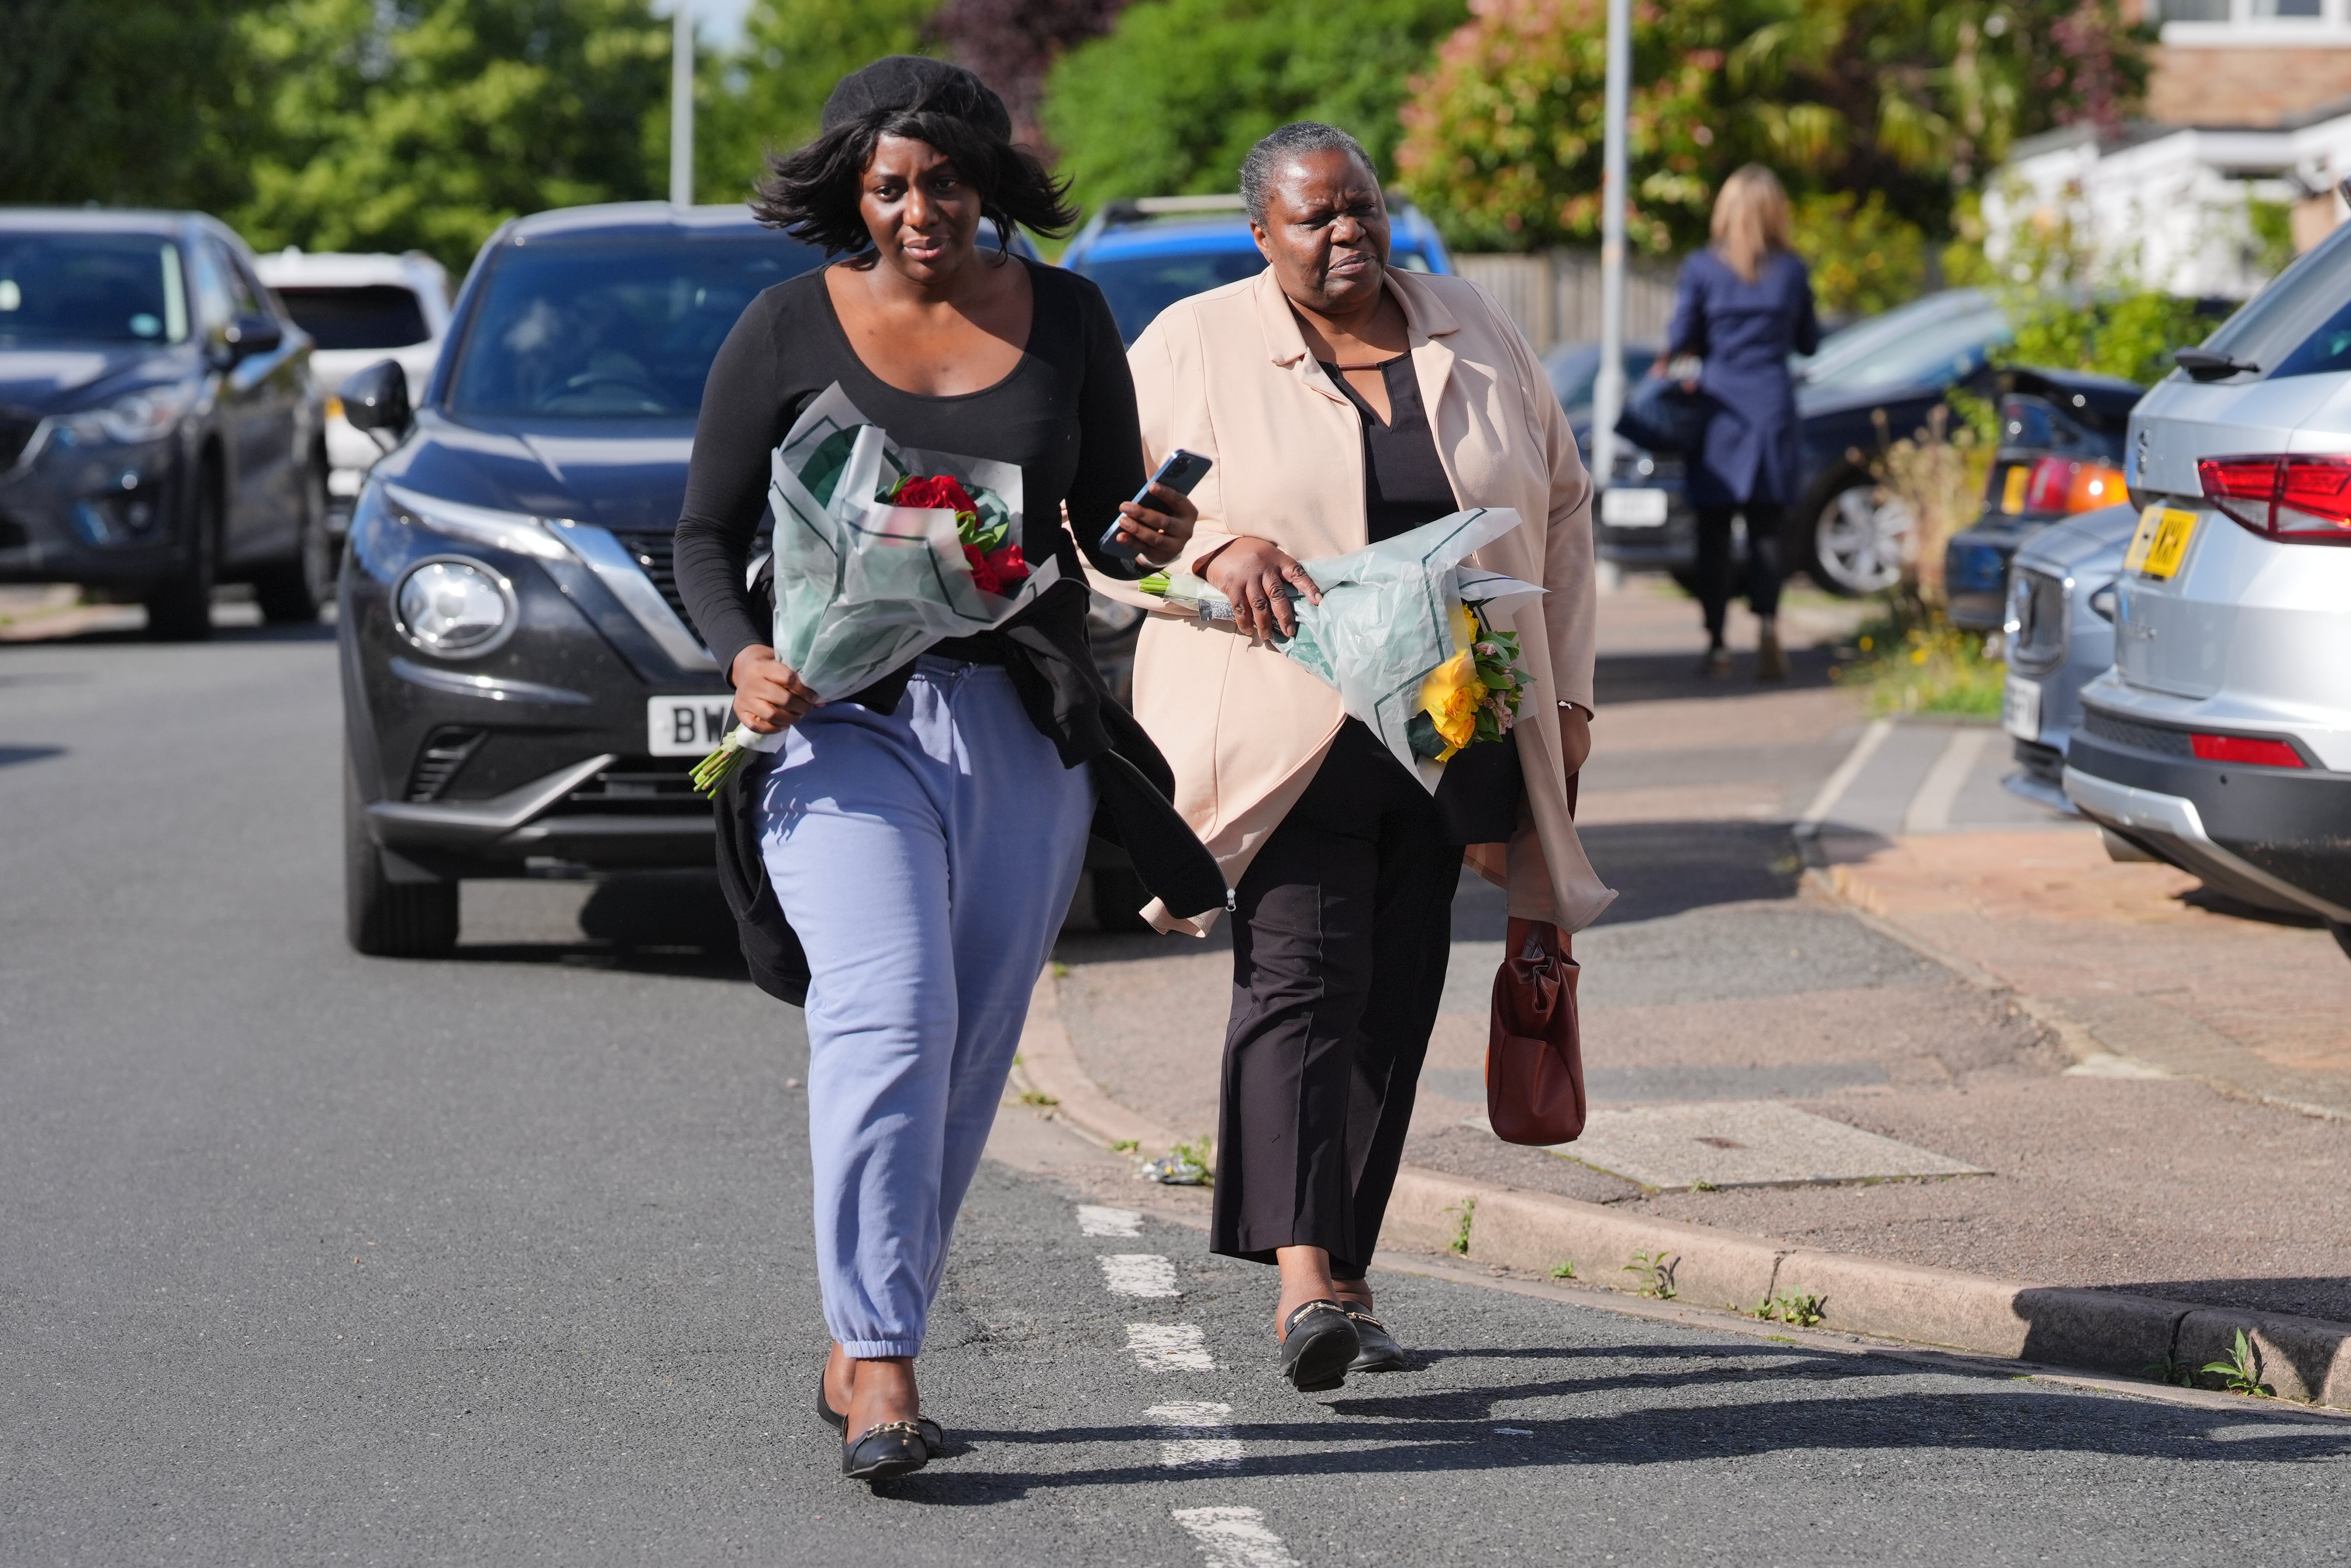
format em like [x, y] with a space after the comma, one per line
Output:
[681, 106]
[1608, 389]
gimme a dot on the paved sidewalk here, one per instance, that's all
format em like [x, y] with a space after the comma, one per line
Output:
[1722, 974]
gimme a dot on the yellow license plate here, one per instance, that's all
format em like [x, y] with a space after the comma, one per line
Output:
[2161, 541]
[2011, 489]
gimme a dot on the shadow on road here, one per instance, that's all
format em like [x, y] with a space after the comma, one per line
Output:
[1667, 676]
[655, 922]
[1454, 1429]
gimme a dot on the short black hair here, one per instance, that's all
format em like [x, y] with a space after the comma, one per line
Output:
[1295, 139]
[813, 194]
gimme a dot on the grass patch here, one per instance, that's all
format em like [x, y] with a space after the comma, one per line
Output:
[1907, 665]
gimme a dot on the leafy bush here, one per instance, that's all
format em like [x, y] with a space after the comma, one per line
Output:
[1865, 259]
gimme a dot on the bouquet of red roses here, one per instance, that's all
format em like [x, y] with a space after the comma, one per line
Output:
[996, 564]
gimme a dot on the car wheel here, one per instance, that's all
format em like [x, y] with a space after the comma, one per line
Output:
[179, 608]
[384, 919]
[1859, 538]
[291, 592]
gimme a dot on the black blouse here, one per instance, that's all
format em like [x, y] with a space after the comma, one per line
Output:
[1065, 414]
[1405, 486]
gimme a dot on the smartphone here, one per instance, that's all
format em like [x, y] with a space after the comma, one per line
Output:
[1180, 472]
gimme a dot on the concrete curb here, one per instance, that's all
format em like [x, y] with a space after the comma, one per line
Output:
[2302, 1358]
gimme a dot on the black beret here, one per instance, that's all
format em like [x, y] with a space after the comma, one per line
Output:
[915, 81]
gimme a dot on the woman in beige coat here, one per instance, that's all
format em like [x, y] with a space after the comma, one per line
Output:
[1344, 401]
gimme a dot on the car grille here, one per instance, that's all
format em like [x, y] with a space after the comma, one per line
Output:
[17, 428]
[2145, 737]
[656, 550]
[443, 752]
[639, 786]
[2036, 603]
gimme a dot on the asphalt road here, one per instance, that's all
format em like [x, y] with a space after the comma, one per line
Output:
[308, 1257]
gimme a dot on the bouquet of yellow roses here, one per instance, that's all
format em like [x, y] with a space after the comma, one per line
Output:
[1409, 635]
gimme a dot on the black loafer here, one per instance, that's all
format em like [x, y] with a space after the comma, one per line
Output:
[1317, 1343]
[1380, 1351]
[933, 1439]
[892, 1448]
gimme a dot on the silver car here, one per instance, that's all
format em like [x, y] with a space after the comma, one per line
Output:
[2221, 741]
[2061, 637]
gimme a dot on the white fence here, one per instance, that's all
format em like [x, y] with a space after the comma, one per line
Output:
[1554, 295]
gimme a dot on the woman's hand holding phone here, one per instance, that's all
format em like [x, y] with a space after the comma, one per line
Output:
[1158, 533]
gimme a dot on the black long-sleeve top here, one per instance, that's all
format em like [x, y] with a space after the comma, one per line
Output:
[1066, 415]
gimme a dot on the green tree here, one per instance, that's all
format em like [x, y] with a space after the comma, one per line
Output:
[1906, 102]
[1174, 96]
[427, 125]
[114, 101]
[769, 96]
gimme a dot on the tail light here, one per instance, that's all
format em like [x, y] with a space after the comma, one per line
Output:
[2064, 484]
[2293, 500]
[2266, 753]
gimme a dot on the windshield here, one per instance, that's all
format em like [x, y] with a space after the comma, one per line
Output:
[2301, 324]
[613, 328]
[1574, 367]
[91, 288]
[1139, 287]
[1931, 341]
[378, 315]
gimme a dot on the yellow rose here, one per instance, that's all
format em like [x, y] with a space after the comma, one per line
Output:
[1451, 696]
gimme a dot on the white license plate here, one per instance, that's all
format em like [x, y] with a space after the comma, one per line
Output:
[687, 726]
[1633, 508]
[2020, 709]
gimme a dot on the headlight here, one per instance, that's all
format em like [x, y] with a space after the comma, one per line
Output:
[516, 531]
[146, 415]
[454, 608]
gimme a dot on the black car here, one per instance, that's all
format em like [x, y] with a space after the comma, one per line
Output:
[1871, 382]
[159, 432]
[2061, 453]
[522, 691]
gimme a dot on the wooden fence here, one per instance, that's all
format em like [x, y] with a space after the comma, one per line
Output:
[1554, 295]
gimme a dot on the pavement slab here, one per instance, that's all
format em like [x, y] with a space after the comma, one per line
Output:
[1741, 1143]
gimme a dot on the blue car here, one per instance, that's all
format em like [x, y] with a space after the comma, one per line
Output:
[1149, 253]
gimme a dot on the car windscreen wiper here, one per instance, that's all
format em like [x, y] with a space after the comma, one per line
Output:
[2206, 365]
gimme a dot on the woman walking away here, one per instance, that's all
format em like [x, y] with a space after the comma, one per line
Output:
[1745, 304]
[1343, 402]
[922, 835]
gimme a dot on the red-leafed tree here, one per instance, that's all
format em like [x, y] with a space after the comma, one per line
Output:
[1013, 43]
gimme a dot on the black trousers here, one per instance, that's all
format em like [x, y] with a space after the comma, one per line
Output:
[1765, 523]
[1342, 928]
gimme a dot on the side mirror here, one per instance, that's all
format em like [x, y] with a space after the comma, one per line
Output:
[376, 399]
[251, 335]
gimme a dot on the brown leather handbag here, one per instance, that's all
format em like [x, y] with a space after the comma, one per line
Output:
[1534, 1055]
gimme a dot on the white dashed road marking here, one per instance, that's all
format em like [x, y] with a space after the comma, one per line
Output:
[1169, 1348]
[1235, 1538]
[1095, 1220]
[1201, 1435]
[1139, 1274]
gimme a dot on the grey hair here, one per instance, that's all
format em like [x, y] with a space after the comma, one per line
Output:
[1295, 139]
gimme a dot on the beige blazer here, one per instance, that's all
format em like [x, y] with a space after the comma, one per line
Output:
[1226, 374]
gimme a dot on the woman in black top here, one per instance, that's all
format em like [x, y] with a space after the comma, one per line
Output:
[922, 835]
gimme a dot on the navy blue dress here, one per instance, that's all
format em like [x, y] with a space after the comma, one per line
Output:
[1744, 332]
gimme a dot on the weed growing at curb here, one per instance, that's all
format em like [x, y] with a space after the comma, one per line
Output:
[1656, 1272]
[2241, 1372]
[1038, 1097]
[1564, 1269]
[2178, 1374]
[1127, 1145]
[1459, 1245]
[1800, 1311]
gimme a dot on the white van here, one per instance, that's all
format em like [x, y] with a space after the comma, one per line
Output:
[358, 310]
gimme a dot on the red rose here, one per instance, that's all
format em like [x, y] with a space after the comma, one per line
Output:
[933, 491]
[983, 571]
[1011, 568]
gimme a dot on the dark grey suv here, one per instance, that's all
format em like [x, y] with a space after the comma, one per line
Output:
[159, 429]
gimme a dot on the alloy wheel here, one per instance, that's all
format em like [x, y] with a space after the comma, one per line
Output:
[1860, 540]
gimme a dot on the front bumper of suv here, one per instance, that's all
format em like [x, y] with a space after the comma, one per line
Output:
[2277, 837]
